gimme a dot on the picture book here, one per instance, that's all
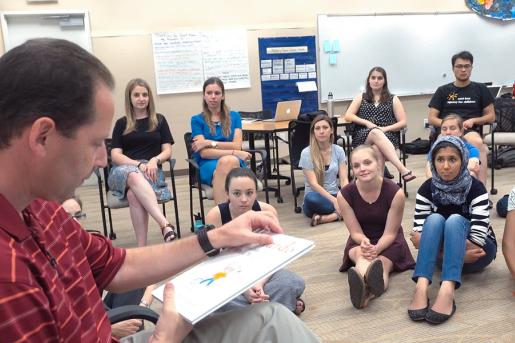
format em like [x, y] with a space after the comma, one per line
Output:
[212, 283]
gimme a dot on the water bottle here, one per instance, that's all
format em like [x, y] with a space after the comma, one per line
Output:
[198, 222]
[330, 105]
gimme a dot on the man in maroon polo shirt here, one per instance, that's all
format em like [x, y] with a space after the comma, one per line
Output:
[56, 109]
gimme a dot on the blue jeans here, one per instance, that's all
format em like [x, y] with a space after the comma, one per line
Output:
[452, 235]
[315, 202]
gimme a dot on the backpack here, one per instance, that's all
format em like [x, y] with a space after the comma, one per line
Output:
[505, 157]
[502, 206]
[417, 147]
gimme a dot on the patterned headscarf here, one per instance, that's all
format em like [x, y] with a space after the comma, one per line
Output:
[455, 191]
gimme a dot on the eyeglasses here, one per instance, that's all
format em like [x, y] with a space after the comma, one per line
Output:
[463, 66]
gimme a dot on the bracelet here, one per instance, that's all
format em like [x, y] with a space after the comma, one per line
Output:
[139, 164]
[144, 303]
[204, 242]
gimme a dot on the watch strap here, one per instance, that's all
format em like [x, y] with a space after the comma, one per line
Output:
[204, 242]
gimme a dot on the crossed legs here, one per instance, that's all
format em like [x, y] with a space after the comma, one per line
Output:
[142, 202]
[377, 138]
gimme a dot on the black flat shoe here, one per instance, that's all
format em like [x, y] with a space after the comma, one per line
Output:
[420, 314]
[434, 317]
[357, 288]
[374, 278]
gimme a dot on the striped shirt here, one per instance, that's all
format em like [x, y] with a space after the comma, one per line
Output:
[475, 209]
[51, 276]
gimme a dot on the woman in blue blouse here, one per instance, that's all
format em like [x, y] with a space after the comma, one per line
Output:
[217, 138]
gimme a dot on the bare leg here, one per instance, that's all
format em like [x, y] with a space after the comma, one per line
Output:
[139, 218]
[328, 218]
[387, 269]
[224, 166]
[420, 295]
[378, 138]
[380, 158]
[445, 297]
[475, 139]
[142, 190]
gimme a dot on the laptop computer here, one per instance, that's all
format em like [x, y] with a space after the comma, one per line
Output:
[286, 110]
[494, 90]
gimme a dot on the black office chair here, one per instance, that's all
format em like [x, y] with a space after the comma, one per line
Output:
[108, 201]
[502, 133]
[205, 192]
[298, 139]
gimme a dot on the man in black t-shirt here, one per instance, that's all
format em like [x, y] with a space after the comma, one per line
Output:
[470, 100]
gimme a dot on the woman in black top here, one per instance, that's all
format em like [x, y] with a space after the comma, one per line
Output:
[141, 142]
[283, 286]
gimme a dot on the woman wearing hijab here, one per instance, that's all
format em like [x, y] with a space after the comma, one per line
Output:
[451, 226]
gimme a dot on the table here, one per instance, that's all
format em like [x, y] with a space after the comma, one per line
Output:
[270, 128]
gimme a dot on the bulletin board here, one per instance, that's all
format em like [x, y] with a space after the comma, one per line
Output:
[287, 64]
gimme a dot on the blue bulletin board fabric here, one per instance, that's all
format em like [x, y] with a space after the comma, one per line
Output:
[497, 9]
[280, 71]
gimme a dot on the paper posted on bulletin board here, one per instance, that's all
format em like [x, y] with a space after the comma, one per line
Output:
[183, 60]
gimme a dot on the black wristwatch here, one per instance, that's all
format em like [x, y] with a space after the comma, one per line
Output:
[204, 242]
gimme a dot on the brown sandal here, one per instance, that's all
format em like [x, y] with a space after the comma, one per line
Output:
[408, 176]
[300, 306]
[169, 235]
[316, 219]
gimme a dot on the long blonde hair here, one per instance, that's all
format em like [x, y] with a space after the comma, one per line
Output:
[129, 109]
[316, 155]
[225, 117]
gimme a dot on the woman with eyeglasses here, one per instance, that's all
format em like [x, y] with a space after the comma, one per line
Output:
[283, 286]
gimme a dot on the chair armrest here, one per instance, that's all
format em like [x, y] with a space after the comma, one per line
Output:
[127, 312]
[193, 163]
[172, 162]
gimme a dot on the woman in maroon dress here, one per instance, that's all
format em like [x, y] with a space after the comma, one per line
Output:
[372, 209]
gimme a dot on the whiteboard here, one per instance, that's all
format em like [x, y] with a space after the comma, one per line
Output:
[183, 60]
[415, 50]
[20, 26]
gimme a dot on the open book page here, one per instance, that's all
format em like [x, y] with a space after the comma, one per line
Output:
[207, 286]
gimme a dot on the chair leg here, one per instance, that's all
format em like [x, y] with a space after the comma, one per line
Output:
[102, 206]
[175, 208]
[112, 235]
[493, 158]
[191, 209]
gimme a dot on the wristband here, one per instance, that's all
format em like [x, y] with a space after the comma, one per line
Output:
[204, 242]
[139, 164]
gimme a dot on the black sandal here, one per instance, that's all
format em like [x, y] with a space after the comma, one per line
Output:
[170, 235]
[408, 176]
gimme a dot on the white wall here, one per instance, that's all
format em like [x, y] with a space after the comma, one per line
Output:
[121, 39]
